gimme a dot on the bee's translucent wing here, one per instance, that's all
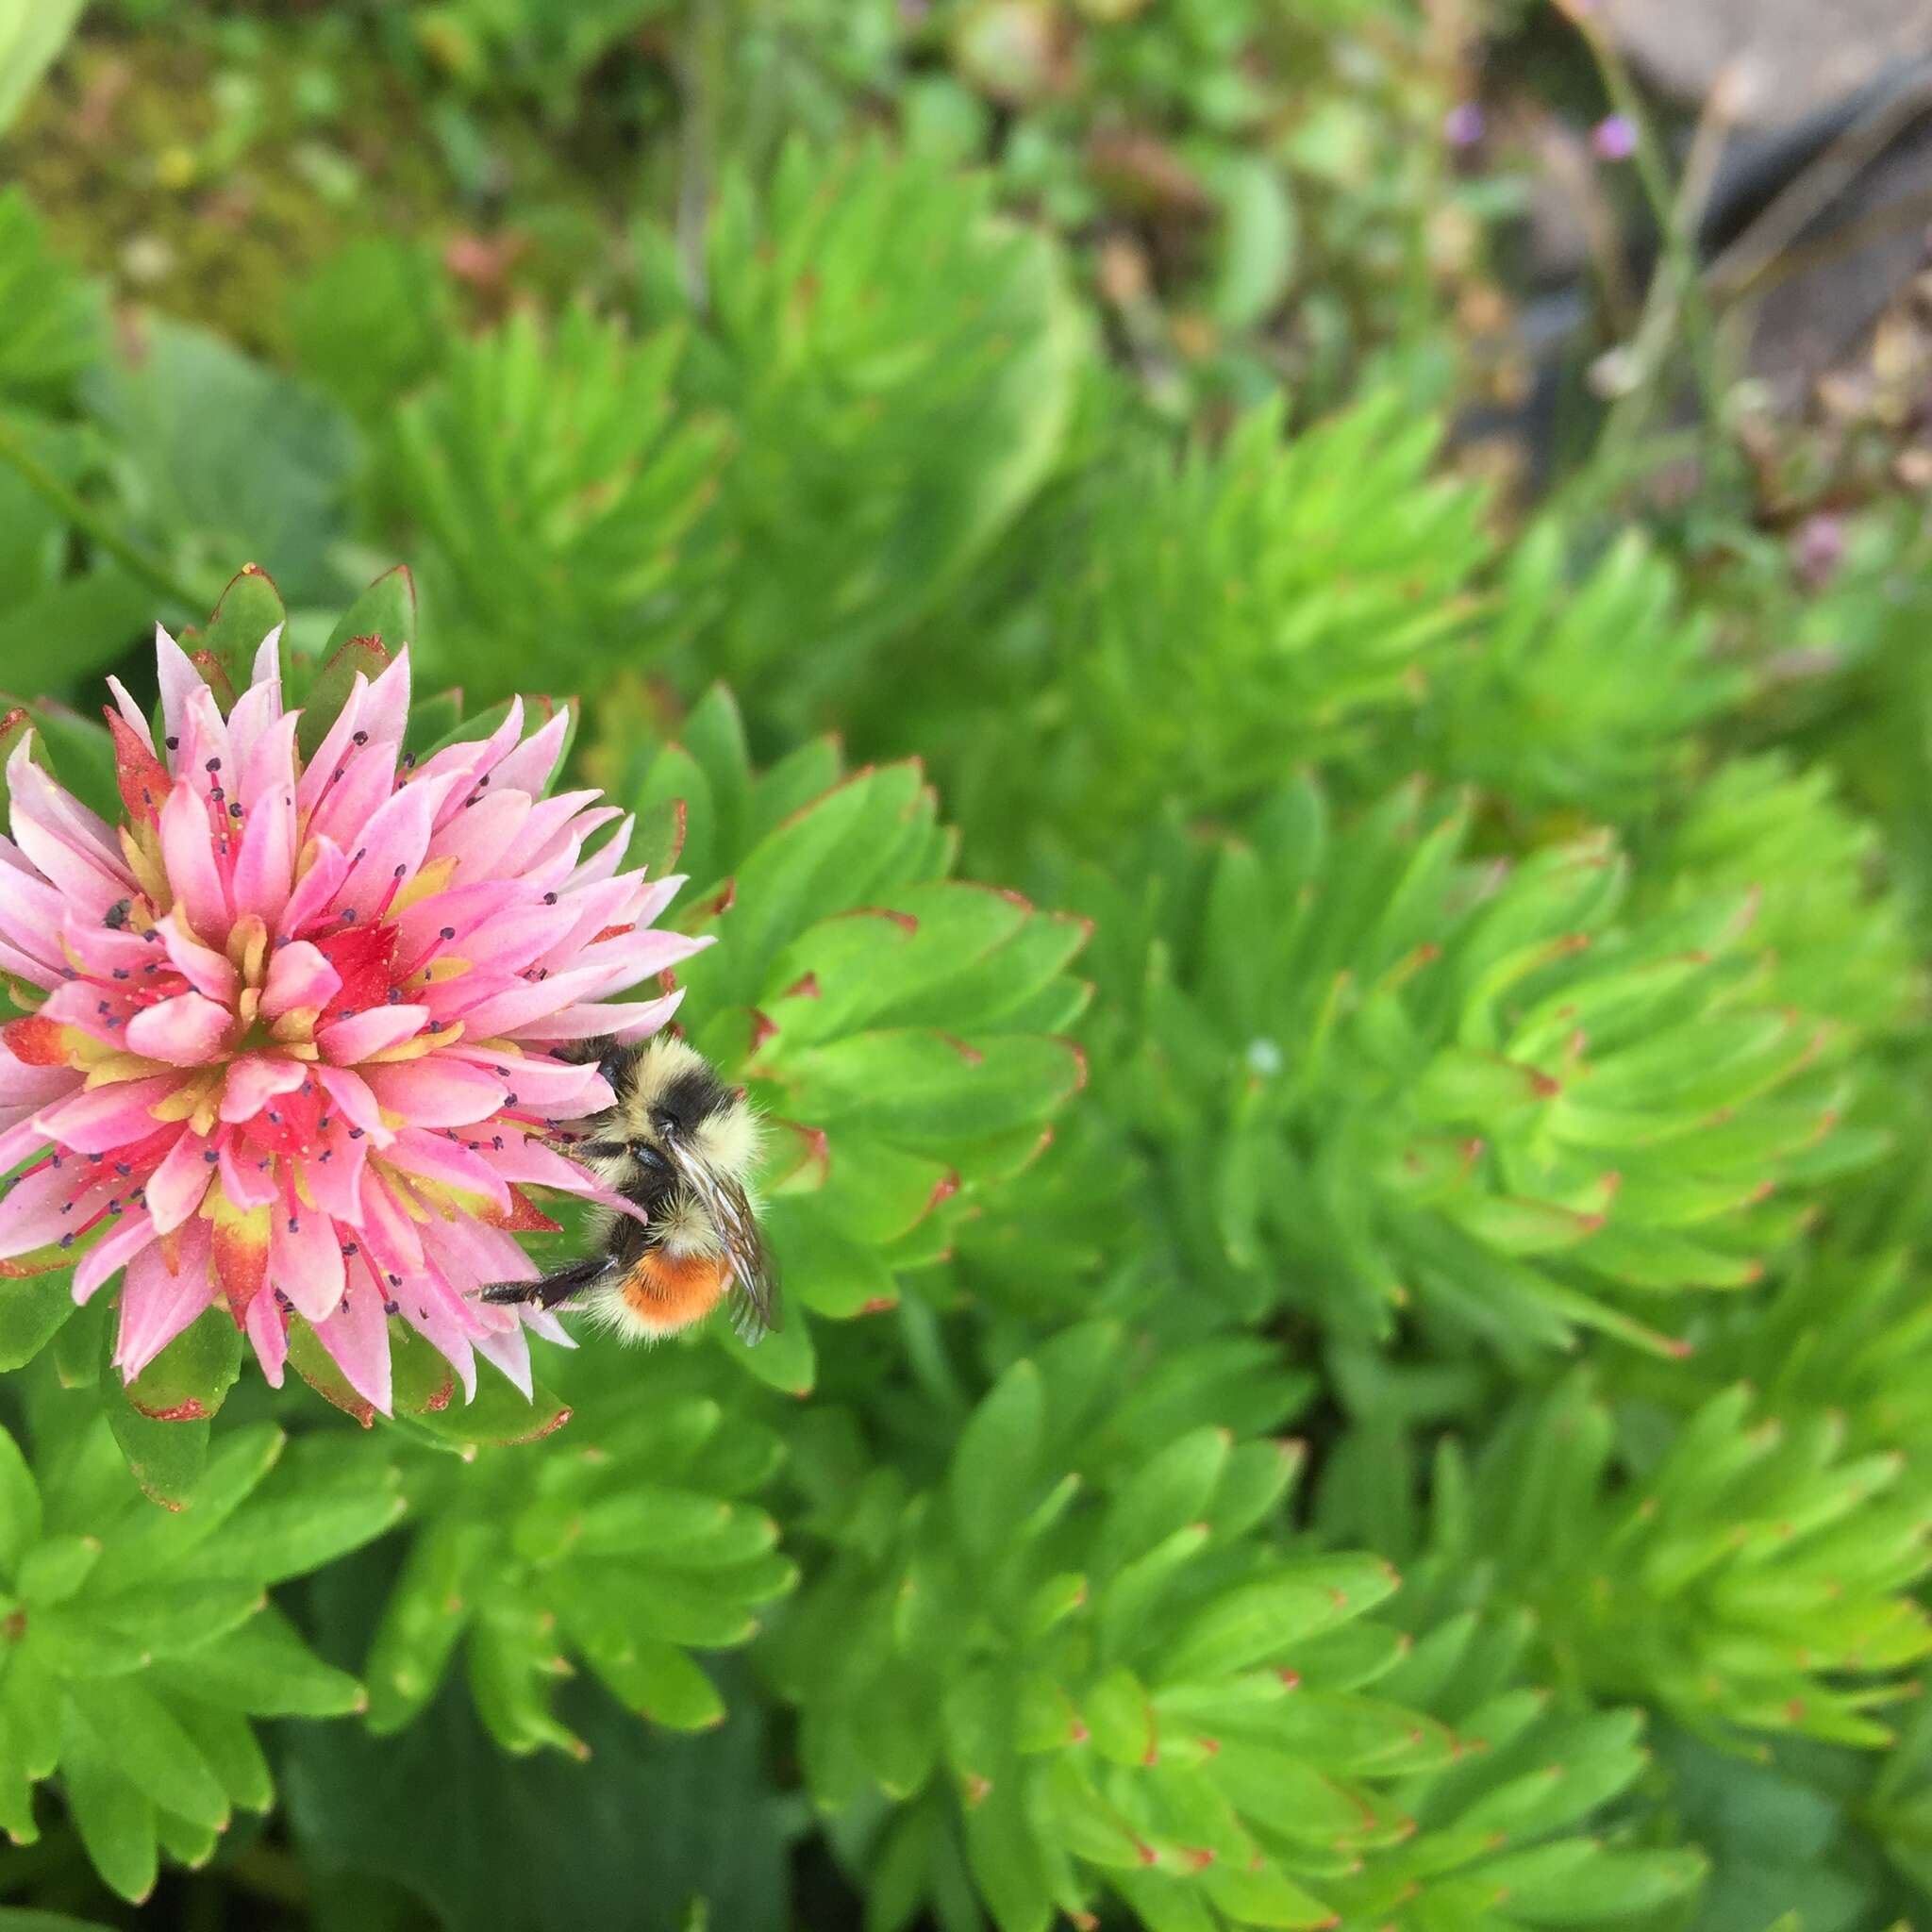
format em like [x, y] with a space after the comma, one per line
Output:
[754, 1305]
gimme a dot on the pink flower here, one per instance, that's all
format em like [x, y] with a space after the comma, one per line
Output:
[298, 1052]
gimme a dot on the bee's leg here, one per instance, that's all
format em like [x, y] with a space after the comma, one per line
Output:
[548, 1289]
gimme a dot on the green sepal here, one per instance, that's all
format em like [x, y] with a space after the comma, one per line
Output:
[317, 1367]
[191, 1378]
[334, 681]
[384, 614]
[166, 1459]
[498, 1418]
[248, 610]
[33, 1310]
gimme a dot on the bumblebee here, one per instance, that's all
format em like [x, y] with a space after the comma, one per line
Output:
[682, 1146]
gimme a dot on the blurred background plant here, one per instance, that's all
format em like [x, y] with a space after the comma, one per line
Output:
[1284, 644]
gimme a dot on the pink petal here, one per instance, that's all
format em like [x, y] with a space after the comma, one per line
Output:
[267, 671]
[470, 1252]
[255, 1079]
[464, 909]
[20, 1137]
[634, 957]
[391, 846]
[334, 747]
[179, 681]
[304, 1260]
[176, 1187]
[480, 834]
[115, 1249]
[447, 998]
[542, 1322]
[357, 1337]
[270, 760]
[268, 1335]
[155, 1304]
[603, 863]
[257, 711]
[589, 911]
[533, 764]
[336, 1183]
[509, 1349]
[265, 867]
[542, 1086]
[24, 1086]
[62, 814]
[31, 911]
[387, 1231]
[248, 1179]
[83, 881]
[99, 950]
[473, 758]
[131, 713]
[35, 1210]
[442, 1329]
[643, 1018]
[528, 1001]
[299, 974]
[386, 711]
[355, 1102]
[509, 941]
[548, 817]
[316, 888]
[104, 1118]
[349, 1041]
[437, 1092]
[622, 1020]
[351, 801]
[206, 971]
[445, 1163]
[557, 862]
[204, 760]
[188, 852]
[18, 963]
[528, 1161]
[186, 1031]
[83, 1005]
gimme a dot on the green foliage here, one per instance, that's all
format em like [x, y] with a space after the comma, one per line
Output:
[529, 1561]
[1837, 945]
[1049, 395]
[903, 1029]
[544, 47]
[371, 323]
[221, 458]
[1582, 694]
[1246, 609]
[139, 1642]
[51, 324]
[558, 494]
[1381, 1073]
[32, 32]
[358, 1809]
[1081, 1668]
[897, 363]
[1744, 1570]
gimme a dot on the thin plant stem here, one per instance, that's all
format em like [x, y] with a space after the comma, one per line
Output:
[58, 497]
[1678, 306]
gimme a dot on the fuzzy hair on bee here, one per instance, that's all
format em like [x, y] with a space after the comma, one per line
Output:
[682, 1148]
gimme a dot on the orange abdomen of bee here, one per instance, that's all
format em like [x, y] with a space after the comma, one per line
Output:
[666, 1292]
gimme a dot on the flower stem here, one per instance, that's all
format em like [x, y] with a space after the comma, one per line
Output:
[98, 531]
[1678, 309]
